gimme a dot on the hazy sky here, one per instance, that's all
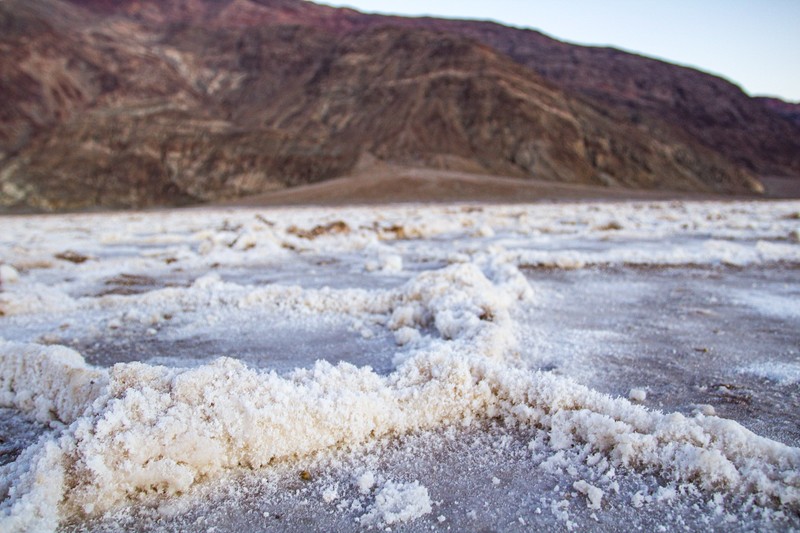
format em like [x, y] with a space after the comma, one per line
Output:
[754, 43]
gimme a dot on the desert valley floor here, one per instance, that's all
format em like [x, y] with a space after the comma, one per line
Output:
[573, 366]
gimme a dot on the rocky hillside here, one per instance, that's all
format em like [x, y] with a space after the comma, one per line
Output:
[790, 110]
[120, 103]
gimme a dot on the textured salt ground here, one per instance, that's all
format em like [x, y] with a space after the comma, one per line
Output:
[613, 328]
[262, 338]
[690, 337]
[651, 328]
[17, 432]
[488, 479]
[287, 345]
[687, 336]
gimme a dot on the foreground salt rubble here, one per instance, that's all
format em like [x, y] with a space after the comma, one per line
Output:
[445, 285]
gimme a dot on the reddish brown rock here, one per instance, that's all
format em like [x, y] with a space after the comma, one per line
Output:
[119, 103]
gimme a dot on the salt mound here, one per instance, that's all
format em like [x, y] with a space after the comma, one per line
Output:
[52, 383]
[396, 503]
[155, 429]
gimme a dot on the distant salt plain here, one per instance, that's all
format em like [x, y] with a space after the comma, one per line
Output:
[462, 367]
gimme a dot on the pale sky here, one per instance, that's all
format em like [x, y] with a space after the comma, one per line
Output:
[753, 43]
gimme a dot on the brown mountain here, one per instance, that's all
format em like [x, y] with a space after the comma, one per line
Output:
[790, 110]
[121, 103]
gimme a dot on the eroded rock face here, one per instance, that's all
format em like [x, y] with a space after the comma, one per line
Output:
[136, 103]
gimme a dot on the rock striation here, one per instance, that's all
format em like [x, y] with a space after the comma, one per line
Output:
[136, 103]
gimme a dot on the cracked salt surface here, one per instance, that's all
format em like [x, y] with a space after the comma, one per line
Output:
[407, 367]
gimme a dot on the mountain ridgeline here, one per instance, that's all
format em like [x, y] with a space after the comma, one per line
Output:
[136, 103]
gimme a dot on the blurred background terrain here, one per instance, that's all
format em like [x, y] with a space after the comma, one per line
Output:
[118, 104]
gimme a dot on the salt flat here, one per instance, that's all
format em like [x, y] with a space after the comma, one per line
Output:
[600, 366]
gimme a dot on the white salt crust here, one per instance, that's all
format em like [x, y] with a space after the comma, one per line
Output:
[637, 395]
[136, 429]
[396, 503]
[159, 429]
